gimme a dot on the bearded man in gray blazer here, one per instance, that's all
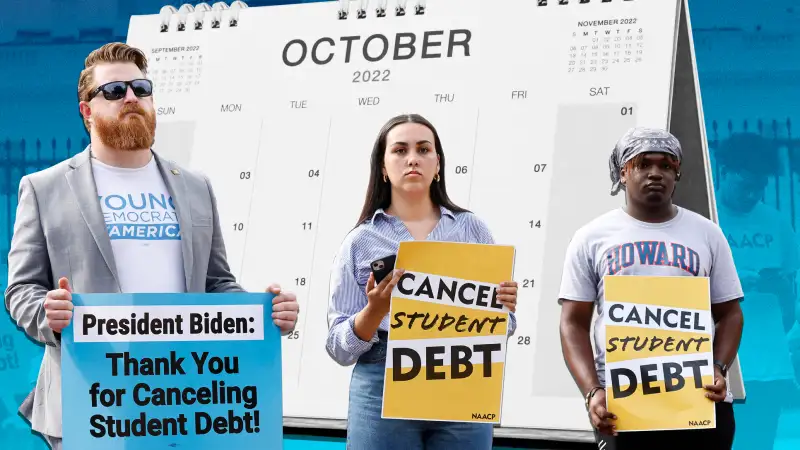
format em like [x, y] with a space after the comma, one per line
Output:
[115, 218]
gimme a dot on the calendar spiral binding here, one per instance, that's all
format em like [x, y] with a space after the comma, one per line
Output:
[380, 10]
[201, 15]
[581, 2]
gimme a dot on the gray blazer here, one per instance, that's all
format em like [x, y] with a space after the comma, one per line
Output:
[60, 232]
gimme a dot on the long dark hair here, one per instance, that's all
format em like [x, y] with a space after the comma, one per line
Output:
[379, 193]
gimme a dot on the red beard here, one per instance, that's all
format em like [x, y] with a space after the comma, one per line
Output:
[133, 130]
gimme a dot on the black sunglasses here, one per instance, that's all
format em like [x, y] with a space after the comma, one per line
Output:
[116, 90]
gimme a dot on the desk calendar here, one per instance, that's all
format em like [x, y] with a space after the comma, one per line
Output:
[280, 107]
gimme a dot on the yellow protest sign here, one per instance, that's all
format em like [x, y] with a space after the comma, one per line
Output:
[659, 352]
[447, 333]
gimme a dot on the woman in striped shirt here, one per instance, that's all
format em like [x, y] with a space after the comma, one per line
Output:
[406, 200]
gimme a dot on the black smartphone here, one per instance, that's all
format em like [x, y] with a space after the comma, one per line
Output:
[382, 267]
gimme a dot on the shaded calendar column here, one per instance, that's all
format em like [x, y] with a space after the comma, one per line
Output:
[174, 140]
[226, 146]
[584, 138]
[283, 223]
[176, 124]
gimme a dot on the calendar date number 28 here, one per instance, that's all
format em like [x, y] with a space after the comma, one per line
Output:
[367, 76]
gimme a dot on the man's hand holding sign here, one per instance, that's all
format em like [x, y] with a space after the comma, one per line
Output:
[58, 306]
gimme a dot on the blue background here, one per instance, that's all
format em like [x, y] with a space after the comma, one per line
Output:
[749, 70]
[258, 364]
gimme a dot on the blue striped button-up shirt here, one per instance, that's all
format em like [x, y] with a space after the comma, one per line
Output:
[372, 240]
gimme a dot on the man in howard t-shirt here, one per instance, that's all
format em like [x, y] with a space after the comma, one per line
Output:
[115, 218]
[657, 238]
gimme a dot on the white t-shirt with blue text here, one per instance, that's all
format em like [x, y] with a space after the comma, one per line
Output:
[142, 224]
[617, 244]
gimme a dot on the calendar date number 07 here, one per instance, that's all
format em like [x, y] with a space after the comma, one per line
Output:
[367, 76]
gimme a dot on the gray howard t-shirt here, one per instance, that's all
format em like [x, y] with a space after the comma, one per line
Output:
[617, 244]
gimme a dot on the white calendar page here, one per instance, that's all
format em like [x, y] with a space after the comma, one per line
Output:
[527, 122]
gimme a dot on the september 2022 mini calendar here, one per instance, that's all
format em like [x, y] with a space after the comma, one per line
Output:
[175, 70]
[280, 106]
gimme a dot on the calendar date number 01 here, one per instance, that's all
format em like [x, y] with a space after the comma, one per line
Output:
[367, 76]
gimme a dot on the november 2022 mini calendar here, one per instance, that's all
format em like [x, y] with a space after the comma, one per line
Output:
[602, 45]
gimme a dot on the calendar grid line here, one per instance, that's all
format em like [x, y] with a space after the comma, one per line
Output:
[314, 247]
[474, 151]
[252, 196]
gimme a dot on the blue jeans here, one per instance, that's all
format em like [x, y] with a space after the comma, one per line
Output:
[366, 430]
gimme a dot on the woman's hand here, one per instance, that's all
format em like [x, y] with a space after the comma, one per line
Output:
[379, 300]
[507, 294]
[379, 297]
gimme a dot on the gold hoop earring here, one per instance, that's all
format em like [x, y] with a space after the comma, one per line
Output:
[436, 177]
